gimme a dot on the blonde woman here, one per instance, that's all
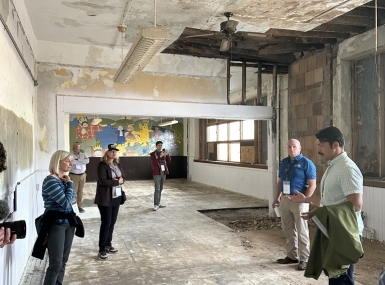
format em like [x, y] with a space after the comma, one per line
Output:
[59, 221]
[108, 197]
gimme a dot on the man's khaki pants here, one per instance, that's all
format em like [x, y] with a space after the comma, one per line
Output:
[295, 229]
[79, 181]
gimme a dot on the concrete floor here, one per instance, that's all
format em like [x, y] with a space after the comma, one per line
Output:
[176, 245]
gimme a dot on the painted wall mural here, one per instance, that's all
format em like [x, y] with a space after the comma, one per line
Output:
[133, 136]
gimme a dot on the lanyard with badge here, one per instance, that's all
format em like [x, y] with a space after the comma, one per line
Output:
[161, 163]
[77, 157]
[286, 184]
[116, 190]
[74, 204]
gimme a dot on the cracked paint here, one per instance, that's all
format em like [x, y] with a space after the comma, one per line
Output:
[175, 15]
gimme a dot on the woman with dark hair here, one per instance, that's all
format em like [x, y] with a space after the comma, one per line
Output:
[108, 197]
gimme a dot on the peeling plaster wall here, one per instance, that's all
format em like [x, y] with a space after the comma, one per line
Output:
[106, 58]
[97, 83]
[17, 103]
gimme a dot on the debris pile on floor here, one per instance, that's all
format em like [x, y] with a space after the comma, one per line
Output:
[245, 219]
[258, 223]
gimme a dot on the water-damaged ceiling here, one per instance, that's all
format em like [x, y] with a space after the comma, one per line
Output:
[292, 26]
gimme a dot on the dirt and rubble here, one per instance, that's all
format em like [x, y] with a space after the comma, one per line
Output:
[260, 234]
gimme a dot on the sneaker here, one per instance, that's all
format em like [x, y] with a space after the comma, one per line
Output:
[102, 255]
[156, 207]
[111, 249]
[81, 210]
[162, 206]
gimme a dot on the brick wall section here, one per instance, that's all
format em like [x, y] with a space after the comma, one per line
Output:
[309, 100]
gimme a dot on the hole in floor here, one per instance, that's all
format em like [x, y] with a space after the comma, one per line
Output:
[244, 219]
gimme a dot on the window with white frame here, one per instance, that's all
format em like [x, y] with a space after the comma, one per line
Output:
[234, 141]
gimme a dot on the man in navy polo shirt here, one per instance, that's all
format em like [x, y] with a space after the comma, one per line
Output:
[296, 172]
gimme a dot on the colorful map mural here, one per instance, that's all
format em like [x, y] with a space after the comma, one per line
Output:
[132, 136]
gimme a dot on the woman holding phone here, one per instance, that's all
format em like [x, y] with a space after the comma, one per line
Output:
[108, 192]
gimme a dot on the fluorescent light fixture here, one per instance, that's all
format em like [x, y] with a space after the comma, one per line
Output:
[168, 123]
[147, 43]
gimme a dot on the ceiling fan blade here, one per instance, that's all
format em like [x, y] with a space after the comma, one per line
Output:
[225, 44]
[197, 36]
[258, 35]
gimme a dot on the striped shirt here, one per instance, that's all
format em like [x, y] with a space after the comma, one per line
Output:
[57, 195]
[342, 178]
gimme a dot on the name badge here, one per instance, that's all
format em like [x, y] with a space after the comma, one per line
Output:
[77, 166]
[116, 191]
[75, 208]
[162, 168]
[286, 187]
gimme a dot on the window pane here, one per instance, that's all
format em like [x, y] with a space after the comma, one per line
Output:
[222, 132]
[248, 130]
[235, 152]
[235, 131]
[212, 133]
[222, 152]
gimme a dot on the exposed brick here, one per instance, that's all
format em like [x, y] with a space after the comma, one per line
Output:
[321, 60]
[298, 99]
[309, 78]
[303, 66]
[292, 114]
[308, 94]
[292, 100]
[294, 68]
[300, 112]
[318, 75]
[312, 123]
[303, 123]
[301, 80]
[311, 154]
[312, 62]
[308, 111]
[317, 108]
[293, 82]
[318, 94]
[309, 142]
[320, 122]
[302, 98]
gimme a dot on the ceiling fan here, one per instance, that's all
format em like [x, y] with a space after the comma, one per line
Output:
[229, 29]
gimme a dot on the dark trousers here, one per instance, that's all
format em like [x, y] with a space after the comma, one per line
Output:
[108, 216]
[344, 279]
[59, 244]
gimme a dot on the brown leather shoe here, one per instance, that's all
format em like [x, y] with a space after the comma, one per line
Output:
[302, 265]
[287, 260]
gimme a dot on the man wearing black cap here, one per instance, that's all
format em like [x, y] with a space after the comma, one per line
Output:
[159, 158]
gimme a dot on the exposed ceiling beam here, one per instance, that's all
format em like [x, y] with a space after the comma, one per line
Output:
[289, 48]
[320, 35]
[366, 12]
[340, 28]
